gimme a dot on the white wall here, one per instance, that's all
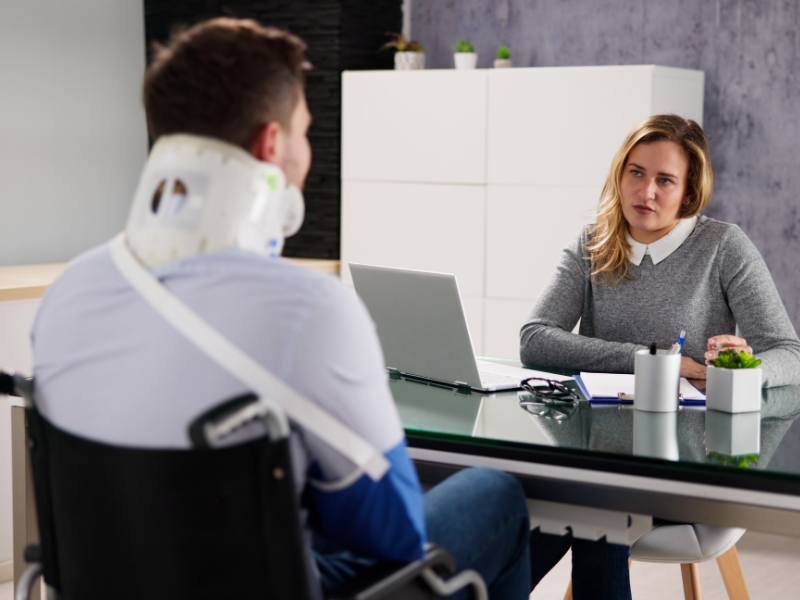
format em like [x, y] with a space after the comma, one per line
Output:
[72, 128]
[73, 140]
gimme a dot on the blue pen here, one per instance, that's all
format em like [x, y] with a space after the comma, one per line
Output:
[678, 346]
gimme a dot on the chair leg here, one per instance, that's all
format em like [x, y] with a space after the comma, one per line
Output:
[690, 572]
[732, 575]
[568, 593]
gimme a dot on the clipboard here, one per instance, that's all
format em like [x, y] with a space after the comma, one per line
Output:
[618, 388]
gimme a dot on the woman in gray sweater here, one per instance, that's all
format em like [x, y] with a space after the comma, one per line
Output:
[652, 266]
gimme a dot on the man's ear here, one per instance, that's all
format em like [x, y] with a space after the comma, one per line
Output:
[269, 144]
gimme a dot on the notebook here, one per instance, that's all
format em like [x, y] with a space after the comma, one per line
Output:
[607, 387]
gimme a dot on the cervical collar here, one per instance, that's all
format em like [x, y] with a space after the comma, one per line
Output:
[199, 195]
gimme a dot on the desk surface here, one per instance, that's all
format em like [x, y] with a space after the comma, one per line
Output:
[693, 465]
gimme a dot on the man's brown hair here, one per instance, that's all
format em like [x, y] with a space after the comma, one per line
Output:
[224, 78]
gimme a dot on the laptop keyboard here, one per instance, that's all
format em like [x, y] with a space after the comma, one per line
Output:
[493, 379]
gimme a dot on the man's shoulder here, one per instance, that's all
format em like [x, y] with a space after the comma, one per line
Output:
[234, 278]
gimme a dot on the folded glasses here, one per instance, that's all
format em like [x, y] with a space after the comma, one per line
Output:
[548, 390]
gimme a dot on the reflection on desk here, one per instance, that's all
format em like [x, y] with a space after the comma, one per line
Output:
[692, 465]
[690, 435]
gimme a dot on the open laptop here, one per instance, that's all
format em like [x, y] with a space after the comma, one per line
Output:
[424, 332]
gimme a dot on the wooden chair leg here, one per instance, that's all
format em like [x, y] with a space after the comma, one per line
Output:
[732, 575]
[568, 593]
[690, 572]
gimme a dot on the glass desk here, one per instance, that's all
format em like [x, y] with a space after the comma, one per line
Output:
[693, 466]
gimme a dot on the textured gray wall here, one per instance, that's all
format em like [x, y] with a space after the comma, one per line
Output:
[750, 53]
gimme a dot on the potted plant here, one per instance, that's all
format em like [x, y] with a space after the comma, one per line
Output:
[409, 56]
[465, 55]
[733, 382]
[503, 60]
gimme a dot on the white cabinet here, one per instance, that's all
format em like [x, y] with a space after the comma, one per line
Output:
[562, 125]
[415, 126]
[16, 321]
[488, 173]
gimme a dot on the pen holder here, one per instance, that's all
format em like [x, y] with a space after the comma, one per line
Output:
[657, 380]
[655, 435]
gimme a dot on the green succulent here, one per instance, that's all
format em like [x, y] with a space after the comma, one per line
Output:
[464, 46]
[743, 461]
[735, 359]
[503, 53]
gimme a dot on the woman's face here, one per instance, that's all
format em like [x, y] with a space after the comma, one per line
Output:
[654, 189]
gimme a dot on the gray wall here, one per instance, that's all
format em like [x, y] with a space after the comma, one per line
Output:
[749, 50]
[72, 129]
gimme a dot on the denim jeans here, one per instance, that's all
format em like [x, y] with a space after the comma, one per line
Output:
[480, 516]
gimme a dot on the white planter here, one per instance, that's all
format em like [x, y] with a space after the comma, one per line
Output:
[409, 61]
[733, 390]
[503, 63]
[733, 435]
[466, 60]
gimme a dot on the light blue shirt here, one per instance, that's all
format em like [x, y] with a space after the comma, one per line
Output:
[109, 368]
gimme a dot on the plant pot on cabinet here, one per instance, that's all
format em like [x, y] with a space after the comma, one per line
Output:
[503, 63]
[466, 60]
[733, 390]
[409, 61]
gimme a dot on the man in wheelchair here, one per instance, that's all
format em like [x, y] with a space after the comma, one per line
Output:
[219, 193]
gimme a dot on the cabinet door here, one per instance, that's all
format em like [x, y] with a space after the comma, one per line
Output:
[562, 126]
[526, 229]
[473, 309]
[502, 321]
[422, 126]
[16, 321]
[415, 226]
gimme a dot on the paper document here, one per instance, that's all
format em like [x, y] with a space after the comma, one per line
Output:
[608, 386]
[485, 366]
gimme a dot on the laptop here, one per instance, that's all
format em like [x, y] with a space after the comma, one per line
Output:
[424, 332]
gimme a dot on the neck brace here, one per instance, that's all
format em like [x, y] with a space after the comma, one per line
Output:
[199, 195]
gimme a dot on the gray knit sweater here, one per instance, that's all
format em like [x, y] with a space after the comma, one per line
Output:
[713, 281]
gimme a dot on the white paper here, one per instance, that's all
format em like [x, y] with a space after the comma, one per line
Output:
[610, 385]
[518, 372]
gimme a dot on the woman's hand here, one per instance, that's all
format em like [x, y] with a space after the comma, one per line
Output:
[691, 369]
[719, 343]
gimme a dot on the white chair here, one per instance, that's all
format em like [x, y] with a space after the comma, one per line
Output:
[690, 545]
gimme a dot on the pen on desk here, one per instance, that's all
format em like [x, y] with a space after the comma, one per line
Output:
[677, 347]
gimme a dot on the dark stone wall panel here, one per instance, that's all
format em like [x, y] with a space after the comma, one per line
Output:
[340, 35]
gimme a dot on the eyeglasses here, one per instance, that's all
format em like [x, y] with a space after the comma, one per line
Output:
[547, 409]
[548, 390]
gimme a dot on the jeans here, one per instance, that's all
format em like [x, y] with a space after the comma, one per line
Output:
[480, 516]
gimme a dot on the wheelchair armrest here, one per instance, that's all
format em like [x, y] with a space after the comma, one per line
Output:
[392, 580]
[31, 574]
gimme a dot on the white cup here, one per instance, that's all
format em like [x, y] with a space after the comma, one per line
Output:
[657, 380]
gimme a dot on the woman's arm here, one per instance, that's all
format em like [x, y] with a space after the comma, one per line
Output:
[758, 310]
[546, 339]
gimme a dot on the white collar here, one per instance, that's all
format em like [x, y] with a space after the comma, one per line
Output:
[661, 249]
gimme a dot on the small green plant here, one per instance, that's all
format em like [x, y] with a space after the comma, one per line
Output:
[503, 53]
[401, 44]
[464, 46]
[735, 359]
[743, 461]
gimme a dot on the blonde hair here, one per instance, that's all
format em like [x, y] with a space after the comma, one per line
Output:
[609, 250]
